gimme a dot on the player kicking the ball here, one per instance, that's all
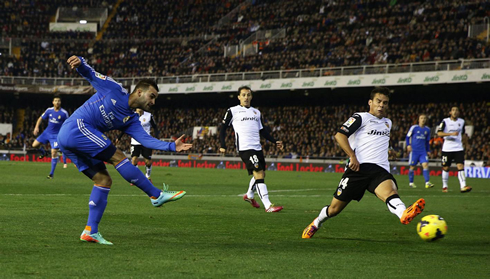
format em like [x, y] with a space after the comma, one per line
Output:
[365, 138]
[82, 139]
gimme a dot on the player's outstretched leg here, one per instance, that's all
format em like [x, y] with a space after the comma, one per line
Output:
[133, 175]
[167, 196]
[313, 227]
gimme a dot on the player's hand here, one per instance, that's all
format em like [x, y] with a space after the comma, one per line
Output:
[36, 131]
[74, 62]
[409, 148]
[279, 145]
[180, 146]
[222, 150]
[354, 164]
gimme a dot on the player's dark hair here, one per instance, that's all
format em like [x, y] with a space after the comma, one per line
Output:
[144, 84]
[380, 90]
[56, 97]
[244, 87]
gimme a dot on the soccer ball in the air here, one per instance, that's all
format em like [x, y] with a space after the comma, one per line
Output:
[432, 227]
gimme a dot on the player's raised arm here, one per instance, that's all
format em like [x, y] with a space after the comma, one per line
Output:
[97, 80]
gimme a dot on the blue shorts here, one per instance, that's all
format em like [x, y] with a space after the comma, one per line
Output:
[82, 143]
[416, 157]
[46, 137]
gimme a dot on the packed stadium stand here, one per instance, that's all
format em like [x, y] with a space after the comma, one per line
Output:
[162, 38]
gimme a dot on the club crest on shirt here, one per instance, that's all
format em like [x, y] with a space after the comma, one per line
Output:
[255, 112]
[126, 119]
[59, 116]
[339, 191]
[387, 126]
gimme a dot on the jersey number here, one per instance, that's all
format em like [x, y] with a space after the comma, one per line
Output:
[254, 159]
[343, 182]
[444, 160]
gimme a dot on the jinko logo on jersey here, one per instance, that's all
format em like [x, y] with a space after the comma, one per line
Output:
[250, 118]
[379, 133]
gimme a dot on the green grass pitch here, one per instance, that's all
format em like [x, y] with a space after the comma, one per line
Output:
[213, 233]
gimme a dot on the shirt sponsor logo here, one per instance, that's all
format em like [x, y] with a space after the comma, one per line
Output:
[108, 117]
[250, 118]
[379, 133]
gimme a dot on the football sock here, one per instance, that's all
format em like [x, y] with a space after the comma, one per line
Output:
[410, 175]
[43, 152]
[64, 158]
[462, 179]
[133, 175]
[395, 205]
[54, 161]
[445, 178]
[426, 175]
[148, 171]
[322, 217]
[263, 193]
[96, 205]
[251, 188]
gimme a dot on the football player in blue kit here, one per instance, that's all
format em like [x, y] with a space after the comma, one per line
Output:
[82, 139]
[418, 147]
[55, 116]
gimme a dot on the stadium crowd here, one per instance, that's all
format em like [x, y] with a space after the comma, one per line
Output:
[186, 37]
[306, 131]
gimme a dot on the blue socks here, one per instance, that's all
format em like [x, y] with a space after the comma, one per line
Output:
[64, 158]
[54, 161]
[43, 152]
[426, 175]
[97, 204]
[133, 175]
[410, 176]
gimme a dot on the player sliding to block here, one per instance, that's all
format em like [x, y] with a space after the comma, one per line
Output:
[82, 139]
[365, 137]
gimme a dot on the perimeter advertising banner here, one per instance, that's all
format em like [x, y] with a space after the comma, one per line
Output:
[461, 76]
[472, 172]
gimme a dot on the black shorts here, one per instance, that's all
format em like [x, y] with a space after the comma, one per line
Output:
[353, 184]
[137, 150]
[253, 159]
[448, 157]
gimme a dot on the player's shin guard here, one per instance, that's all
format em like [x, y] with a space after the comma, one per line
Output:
[322, 217]
[462, 179]
[426, 175]
[97, 205]
[410, 175]
[54, 161]
[251, 188]
[445, 178]
[263, 193]
[395, 205]
[133, 175]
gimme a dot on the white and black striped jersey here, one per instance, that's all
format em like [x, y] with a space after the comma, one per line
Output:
[369, 137]
[452, 143]
[147, 121]
[247, 123]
